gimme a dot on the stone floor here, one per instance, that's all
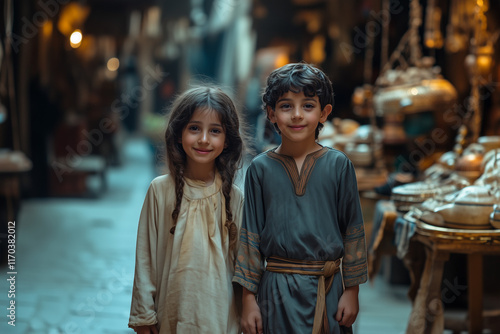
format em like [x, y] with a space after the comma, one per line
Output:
[75, 262]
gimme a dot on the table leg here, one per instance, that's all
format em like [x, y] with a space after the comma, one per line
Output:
[414, 261]
[427, 312]
[11, 193]
[475, 284]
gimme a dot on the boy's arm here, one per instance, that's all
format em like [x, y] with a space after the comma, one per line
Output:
[354, 263]
[348, 307]
[251, 318]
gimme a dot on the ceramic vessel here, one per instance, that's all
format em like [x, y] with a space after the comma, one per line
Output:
[468, 208]
[489, 142]
[491, 158]
[406, 195]
[448, 159]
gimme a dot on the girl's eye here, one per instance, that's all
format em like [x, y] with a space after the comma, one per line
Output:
[193, 128]
[216, 131]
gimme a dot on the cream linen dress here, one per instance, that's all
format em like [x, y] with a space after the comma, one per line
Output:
[183, 281]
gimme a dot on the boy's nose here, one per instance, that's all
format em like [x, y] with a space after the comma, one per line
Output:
[297, 114]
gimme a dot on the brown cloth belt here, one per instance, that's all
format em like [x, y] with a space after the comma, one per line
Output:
[324, 269]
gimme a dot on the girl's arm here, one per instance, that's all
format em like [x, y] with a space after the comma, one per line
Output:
[251, 319]
[146, 329]
[142, 310]
[348, 306]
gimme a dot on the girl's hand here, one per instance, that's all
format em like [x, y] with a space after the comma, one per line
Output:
[150, 329]
[251, 319]
[348, 307]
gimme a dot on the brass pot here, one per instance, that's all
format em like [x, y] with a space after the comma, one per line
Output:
[425, 95]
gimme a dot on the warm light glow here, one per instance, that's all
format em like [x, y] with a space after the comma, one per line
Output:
[113, 64]
[430, 43]
[47, 29]
[72, 16]
[281, 60]
[317, 49]
[76, 38]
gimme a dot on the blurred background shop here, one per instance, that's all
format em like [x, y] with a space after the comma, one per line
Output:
[85, 86]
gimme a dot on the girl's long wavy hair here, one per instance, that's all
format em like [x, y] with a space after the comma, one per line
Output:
[227, 163]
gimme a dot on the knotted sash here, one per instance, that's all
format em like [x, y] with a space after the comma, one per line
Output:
[324, 269]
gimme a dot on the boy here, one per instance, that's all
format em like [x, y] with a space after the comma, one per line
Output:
[301, 216]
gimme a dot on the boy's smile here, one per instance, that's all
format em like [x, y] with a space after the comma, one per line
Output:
[297, 116]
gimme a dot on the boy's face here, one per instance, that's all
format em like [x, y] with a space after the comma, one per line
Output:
[297, 116]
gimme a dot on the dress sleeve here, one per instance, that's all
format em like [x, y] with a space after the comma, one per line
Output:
[142, 311]
[249, 262]
[354, 264]
[237, 210]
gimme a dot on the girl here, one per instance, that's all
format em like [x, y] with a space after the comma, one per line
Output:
[188, 228]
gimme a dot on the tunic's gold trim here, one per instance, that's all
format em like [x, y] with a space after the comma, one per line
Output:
[299, 181]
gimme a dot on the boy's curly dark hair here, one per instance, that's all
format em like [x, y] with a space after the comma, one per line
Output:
[298, 77]
[183, 108]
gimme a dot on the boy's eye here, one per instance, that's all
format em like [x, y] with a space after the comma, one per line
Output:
[309, 106]
[285, 106]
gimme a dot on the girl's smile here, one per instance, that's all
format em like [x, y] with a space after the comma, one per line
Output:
[203, 140]
[200, 151]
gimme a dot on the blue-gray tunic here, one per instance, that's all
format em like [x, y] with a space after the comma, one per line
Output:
[314, 215]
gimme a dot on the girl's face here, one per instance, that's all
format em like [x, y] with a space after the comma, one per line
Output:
[203, 140]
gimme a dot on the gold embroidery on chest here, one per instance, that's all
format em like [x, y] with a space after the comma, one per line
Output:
[299, 181]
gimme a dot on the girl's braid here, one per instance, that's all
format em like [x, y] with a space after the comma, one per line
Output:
[179, 192]
[226, 191]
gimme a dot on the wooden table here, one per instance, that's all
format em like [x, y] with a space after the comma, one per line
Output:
[439, 242]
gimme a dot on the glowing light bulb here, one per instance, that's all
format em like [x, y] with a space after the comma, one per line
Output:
[113, 64]
[76, 38]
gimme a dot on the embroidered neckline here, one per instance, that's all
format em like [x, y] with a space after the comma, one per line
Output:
[298, 179]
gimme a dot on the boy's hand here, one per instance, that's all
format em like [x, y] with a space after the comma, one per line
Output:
[151, 329]
[348, 307]
[251, 319]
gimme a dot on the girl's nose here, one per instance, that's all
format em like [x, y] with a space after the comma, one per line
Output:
[203, 138]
